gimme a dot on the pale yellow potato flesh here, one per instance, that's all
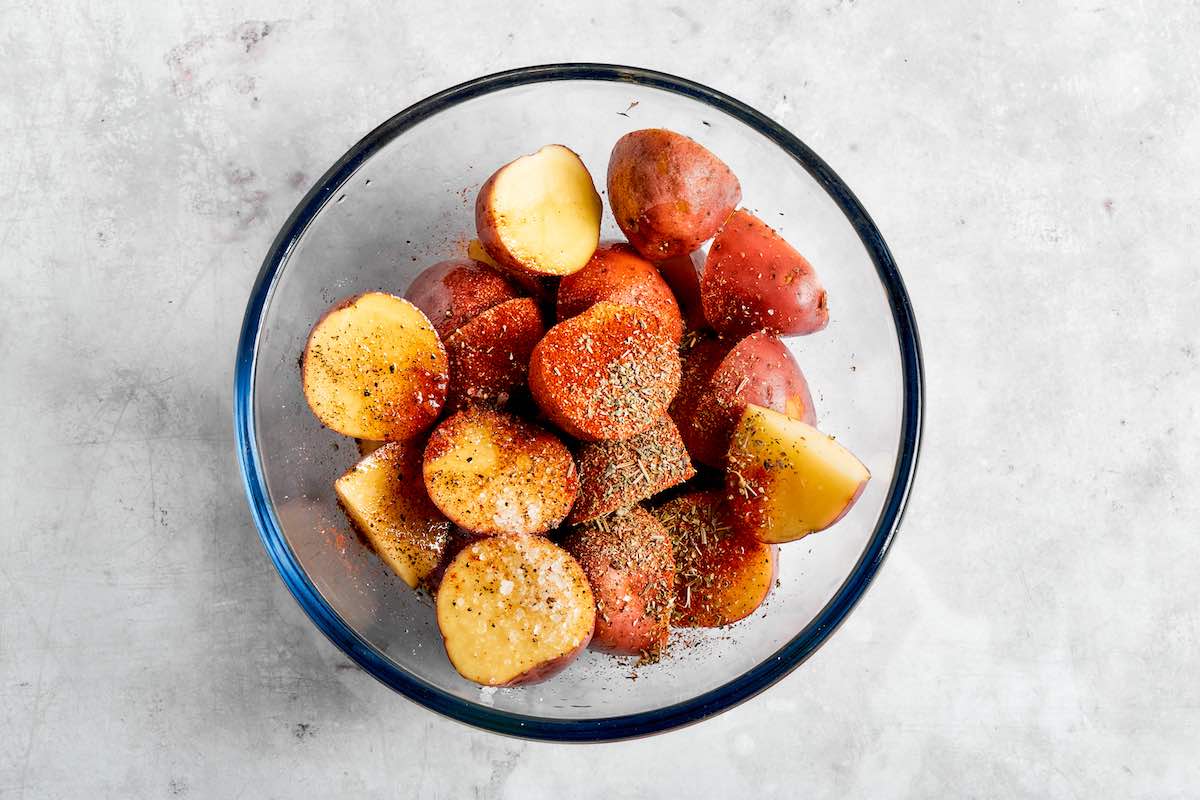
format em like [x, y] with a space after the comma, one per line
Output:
[475, 252]
[385, 499]
[513, 610]
[374, 368]
[545, 211]
[786, 479]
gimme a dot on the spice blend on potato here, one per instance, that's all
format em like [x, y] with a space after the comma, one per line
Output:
[617, 273]
[450, 293]
[489, 355]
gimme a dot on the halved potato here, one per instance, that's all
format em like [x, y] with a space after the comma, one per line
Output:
[720, 376]
[607, 373]
[450, 293]
[754, 280]
[617, 273]
[385, 499]
[514, 610]
[374, 368]
[786, 479]
[540, 214]
[682, 274]
[495, 473]
[489, 356]
[615, 474]
[721, 575]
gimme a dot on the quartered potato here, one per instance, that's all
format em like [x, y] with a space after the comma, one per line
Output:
[385, 499]
[374, 368]
[450, 293]
[489, 356]
[617, 274]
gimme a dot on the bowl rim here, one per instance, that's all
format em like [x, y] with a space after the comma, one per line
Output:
[643, 723]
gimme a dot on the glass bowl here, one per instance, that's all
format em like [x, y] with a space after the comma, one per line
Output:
[401, 199]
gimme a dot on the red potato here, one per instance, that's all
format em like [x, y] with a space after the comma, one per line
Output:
[668, 193]
[754, 280]
[489, 355]
[540, 214]
[514, 610]
[682, 274]
[452, 292]
[375, 368]
[616, 273]
[721, 575]
[608, 373]
[616, 474]
[457, 539]
[720, 376]
[629, 564]
[494, 473]
[384, 497]
[542, 287]
[786, 479]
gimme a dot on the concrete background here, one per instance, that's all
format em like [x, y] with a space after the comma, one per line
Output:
[1033, 165]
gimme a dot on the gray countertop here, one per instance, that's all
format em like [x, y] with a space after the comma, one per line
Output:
[1035, 631]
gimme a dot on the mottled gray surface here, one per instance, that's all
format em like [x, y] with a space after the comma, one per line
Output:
[1035, 168]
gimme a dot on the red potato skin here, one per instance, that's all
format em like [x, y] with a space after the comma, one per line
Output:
[489, 355]
[668, 193]
[617, 273]
[720, 376]
[452, 292]
[548, 669]
[682, 274]
[754, 280]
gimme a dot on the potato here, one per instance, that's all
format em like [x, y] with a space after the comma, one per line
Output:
[668, 193]
[489, 356]
[608, 373]
[514, 610]
[540, 214]
[452, 292]
[721, 575]
[541, 287]
[720, 376]
[456, 540]
[494, 473]
[786, 479]
[616, 474]
[628, 562]
[754, 280]
[616, 273]
[384, 497]
[682, 274]
[374, 368]
[367, 446]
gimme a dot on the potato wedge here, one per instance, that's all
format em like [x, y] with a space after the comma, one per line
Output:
[374, 368]
[754, 280]
[489, 355]
[607, 373]
[450, 293]
[668, 193]
[629, 564]
[494, 473]
[617, 273]
[720, 376]
[786, 479]
[721, 575]
[540, 214]
[615, 474]
[385, 499]
[514, 610]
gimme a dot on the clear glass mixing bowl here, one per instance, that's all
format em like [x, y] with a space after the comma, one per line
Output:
[401, 199]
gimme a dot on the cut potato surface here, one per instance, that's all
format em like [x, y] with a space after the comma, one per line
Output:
[368, 446]
[540, 214]
[720, 376]
[452, 292]
[668, 193]
[489, 356]
[494, 473]
[628, 562]
[721, 575]
[786, 479]
[514, 610]
[385, 499]
[617, 273]
[615, 474]
[374, 368]
[754, 280]
[607, 373]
